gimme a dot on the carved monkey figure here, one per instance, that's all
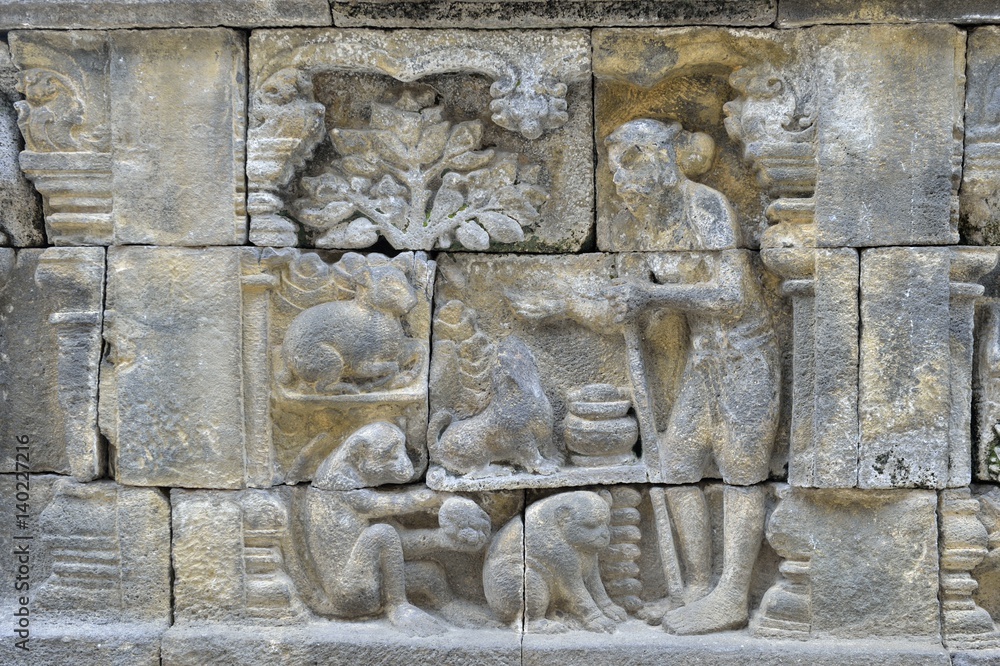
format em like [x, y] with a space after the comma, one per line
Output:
[562, 537]
[365, 562]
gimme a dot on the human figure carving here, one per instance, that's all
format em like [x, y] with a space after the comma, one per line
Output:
[515, 427]
[359, 344]
[555, 553]
[726, 410]
[364, 560]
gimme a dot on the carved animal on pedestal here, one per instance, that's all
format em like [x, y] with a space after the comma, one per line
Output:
[557, 549]
[514, 428]
[359, 344]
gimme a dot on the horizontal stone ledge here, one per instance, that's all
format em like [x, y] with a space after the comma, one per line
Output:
[15, 14]
[560, 13]
[796, 13]
[636, 645]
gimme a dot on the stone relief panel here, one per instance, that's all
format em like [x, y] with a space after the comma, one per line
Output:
[21, 219]
[542, 384]
[799, 102]
[259, 365]
[50, 315]
[110, 142]
[99, 569]
[424, 139]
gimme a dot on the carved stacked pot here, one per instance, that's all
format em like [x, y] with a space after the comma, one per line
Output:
[527, 345]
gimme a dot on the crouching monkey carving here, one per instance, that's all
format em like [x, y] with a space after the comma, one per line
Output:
[556, 548]
[366, 563]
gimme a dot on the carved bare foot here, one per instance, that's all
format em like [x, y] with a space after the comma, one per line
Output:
[412, 621]
[601, 623]
[719, 611]
[616, 612]
[653, 611]
[695, 591]
[545, 626]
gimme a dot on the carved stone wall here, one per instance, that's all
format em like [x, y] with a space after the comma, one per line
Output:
[518, 332]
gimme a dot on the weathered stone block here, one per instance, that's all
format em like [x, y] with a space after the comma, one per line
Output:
[562, 13]
[427, 139]
[20, 209]
[62, 14]
[824, 434]
[858, 565]
[794, 13]
[110, 142]
[99, 566]
[646, 646]
[862, 150]
[258, 365]
[171, 383]
[981, 172]
[889, 133]
[358, 643]
[347, 345]
[50, 315]
[916, 365]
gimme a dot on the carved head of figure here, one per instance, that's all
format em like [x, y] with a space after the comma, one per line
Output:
[584, 519]
[373, 455]
[643, 157]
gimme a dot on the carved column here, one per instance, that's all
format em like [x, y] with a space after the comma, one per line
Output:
[64, 119]
[785, 609]
[257, 284]
[963, 547]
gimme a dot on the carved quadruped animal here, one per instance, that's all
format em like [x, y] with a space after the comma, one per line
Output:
[356, 345]
[562, 537]
[515, 427]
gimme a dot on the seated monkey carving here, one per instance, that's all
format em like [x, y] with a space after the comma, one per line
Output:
[562, 537]
[365, 562]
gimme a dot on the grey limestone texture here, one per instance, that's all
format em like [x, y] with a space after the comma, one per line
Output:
[63, 14]
[562, 13]
[97, 559]
[129, 146]
[368, 336]
[51, 313]
[796, 13]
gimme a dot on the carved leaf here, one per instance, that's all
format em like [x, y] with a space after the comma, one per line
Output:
[446, 203]
[464, 137]
[432, 143]
[404, 125]
[471, 160]
[351, 142]
[501, 227]
[359, 166]
[473, 236]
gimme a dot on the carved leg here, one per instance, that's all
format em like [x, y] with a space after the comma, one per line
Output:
[380, 545]
[536, 605]
[726, 606]
[694, 531]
